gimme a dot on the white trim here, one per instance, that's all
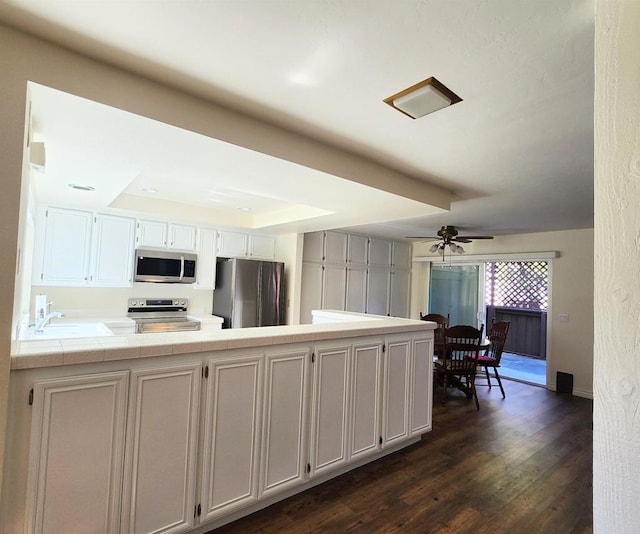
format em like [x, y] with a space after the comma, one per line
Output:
[475, 258]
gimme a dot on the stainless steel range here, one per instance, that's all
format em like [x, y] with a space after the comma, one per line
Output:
[161, 315]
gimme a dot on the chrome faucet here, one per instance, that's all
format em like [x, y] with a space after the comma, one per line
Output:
[43, 320]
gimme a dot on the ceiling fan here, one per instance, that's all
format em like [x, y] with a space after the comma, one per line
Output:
[448, 236]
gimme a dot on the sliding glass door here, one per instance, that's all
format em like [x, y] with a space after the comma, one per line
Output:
[456, 290]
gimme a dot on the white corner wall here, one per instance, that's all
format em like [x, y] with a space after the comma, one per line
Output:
[616, 425]
[570, 347]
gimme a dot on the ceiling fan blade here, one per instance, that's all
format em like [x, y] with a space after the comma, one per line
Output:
[475, 237]
[461, 239]
[423, 237]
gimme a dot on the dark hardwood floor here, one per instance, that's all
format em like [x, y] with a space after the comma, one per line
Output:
[519, 465]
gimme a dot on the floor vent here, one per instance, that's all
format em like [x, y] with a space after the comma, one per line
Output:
[564, 383]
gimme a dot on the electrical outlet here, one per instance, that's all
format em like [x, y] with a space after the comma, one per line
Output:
[563, 317]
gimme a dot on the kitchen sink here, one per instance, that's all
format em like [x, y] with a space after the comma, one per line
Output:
[67, 330]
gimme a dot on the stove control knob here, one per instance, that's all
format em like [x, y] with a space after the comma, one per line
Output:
[134, 303]
[182, 303]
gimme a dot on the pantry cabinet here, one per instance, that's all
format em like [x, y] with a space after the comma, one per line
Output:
[358, 274]
[206, 266]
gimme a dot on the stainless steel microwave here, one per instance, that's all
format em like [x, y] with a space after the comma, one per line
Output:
[165, 266]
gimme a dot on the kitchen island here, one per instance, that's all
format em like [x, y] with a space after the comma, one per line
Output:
[186, 431]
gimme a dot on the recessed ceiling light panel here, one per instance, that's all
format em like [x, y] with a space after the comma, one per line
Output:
[423, 98]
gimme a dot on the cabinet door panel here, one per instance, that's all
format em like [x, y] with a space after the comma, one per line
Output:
[421, 386]
[379, 253]
[378, 291]
[313, 249]
[311, 293]
[329, 413]
[206, 266]
[113, 250]
[160, 463]
[76, 454]
[335, 247]
[284, 439]
[334, 287]
[262, 247]
[401, 255]
[232, 244]
[399, 292]
[396, 395]
[356, 289]
[182, 237]
[357, 249]
[365, 408]
[67, 247]
[231, 435]
[152, 234]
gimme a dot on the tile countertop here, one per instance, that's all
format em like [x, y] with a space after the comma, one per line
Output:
[49, 353]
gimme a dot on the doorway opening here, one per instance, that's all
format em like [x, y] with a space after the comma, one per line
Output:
[514, 291]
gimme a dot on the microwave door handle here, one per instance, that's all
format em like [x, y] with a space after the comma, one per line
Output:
[181, 267]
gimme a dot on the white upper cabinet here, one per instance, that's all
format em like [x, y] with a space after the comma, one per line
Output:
[261, 247]
[335, 247]
[158, 234]
[401, 255]
[206, 266]
[243, 245]
[112, 251]
[67, 247]
[313, 249]
[182, 237]
[357, 249]
[81, 249]
[151, 234]
[379, 252]
[399, 293]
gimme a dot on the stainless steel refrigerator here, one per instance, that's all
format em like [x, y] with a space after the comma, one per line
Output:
[249, 293]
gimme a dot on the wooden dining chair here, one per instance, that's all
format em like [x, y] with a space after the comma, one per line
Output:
[438, 334]
[497, 337]
[457, 366]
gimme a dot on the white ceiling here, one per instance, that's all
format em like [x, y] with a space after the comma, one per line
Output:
[517, 152]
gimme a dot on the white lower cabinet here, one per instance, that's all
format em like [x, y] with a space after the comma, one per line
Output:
[329, 415]
[365, 398]
[160, 465]
[76, 454]
[421, 386]
[231, 435]
[284, 437]
[395, 406]
[170, 447]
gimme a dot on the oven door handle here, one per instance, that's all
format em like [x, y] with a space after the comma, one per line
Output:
[181, 267]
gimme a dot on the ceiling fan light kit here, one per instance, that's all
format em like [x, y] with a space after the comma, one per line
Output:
[423, 98]
[448, 237]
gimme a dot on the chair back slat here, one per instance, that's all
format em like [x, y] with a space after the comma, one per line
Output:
[497, 337]
[438, 333]
[462, 348]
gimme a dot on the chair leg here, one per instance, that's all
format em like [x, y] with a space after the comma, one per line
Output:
[444, 389]
[474, 392]
[486, 371]
[495, 370]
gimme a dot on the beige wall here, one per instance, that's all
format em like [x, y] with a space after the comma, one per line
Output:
[616, 426]
[570, 347]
